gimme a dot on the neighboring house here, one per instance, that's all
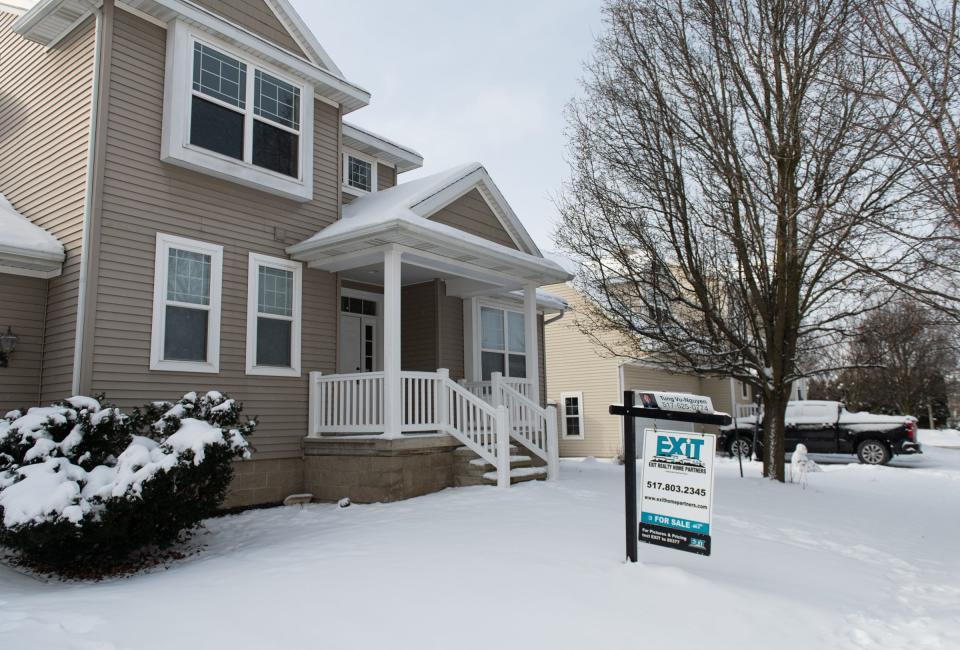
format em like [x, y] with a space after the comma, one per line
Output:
[218, 225]
[583, 380]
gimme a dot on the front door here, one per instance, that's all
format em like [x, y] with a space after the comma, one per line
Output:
[357, 349]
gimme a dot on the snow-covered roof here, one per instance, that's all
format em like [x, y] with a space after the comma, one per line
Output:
[400, 215]
[25, 248]
[546, 300]
[368, 142]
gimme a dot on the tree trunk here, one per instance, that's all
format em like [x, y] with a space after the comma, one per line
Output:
[774, 410]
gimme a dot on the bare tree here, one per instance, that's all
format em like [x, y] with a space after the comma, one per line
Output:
[900, 360]
[733, 194]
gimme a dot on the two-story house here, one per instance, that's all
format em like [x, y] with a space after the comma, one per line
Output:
[186, 209]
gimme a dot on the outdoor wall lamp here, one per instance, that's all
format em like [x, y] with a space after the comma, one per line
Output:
[8, 343]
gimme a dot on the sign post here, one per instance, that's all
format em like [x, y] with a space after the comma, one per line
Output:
[686, 450]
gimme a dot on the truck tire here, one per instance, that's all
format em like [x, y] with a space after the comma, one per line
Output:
[873, 452]
[740, 446]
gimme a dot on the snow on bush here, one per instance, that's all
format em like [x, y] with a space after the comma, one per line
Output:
[83, 484]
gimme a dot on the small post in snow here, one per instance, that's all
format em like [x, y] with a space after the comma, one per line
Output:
[630, 475]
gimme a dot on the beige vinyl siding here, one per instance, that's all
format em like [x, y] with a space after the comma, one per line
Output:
[470, 213]
[257, 17]
[45, 99]
[386, 177]
[450, 329]
[22, 310]
[418, 327]
[573, 364]
[143, 196]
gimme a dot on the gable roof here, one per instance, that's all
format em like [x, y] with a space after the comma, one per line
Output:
[25, 248]
[425, 196]
[400, 215]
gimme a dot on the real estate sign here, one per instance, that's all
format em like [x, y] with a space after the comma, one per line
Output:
[683, 402]
[676, 490]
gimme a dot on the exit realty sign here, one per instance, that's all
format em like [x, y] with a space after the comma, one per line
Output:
[676, 490]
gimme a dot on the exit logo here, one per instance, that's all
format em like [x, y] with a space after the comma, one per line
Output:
[677, 446]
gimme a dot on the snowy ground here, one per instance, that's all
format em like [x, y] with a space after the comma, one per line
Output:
[864, 557]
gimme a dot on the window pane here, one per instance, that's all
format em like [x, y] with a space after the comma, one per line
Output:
[518, 365]
[516, 332]
[573, 426]
[275, 291]
[275, 149]
[572, 406]
[276, 100]
[216, 128]
[273, 342]
[219, 76]
[359, 174]
[185, 334]
[188, 277]
[491, 328]
[491, 362]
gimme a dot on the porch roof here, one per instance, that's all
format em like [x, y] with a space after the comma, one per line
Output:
[25, 248]
[400, 216]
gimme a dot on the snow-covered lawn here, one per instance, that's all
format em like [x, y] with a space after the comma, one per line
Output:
[864, 557]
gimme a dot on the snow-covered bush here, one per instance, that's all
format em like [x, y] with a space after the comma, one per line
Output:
[85, 486]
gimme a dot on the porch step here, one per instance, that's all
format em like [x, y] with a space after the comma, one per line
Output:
[470, 469]
[519, 475]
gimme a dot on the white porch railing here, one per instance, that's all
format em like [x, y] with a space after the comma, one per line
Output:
[484, 389]
[534, 427]
[746, 410]
[353, 403]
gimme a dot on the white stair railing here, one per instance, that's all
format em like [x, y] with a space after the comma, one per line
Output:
[483, 428]
[531, 425]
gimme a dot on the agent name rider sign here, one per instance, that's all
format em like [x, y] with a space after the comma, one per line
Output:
[676, 490]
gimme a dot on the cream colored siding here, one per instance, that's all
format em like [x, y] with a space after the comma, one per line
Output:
[142, 196]
[470, 213]
[257, 17]
[573, 364]
[44, 128]
[22, 310]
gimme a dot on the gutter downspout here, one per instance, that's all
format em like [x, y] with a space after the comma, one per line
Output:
[81, 380]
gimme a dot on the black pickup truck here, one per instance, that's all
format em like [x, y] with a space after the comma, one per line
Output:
[829, 428]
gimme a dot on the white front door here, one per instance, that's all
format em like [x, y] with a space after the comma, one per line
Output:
[357, 349]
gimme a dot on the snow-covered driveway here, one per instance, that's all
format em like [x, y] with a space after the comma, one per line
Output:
[864, 557]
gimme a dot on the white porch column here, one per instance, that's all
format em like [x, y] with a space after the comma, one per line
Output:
[392, 387]
[532, 336]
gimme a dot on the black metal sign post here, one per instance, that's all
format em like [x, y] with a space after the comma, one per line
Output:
[628, 411]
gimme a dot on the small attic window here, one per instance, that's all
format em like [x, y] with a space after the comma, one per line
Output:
[359, 173]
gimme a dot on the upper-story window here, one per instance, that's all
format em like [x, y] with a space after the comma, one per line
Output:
[227, 114]
[359, 173]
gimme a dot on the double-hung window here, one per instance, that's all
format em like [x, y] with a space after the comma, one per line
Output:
[359, 173]
[502, 343]
[571, 414]
[274, 294]
[186, 305]
[231, 115]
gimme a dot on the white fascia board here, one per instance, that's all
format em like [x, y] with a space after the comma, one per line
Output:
[30, 263]
[403, 157]
[301, 33]
[454, 240]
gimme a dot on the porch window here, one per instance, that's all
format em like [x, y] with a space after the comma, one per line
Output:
[571, 405]
[229, 114]
[186, 305]
[359, 173]
[502, 343]
[274, 295]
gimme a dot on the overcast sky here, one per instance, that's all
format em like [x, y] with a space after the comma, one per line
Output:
[460, 81]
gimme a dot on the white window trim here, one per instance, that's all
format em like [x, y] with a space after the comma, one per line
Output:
[164, 244]
[175, 147]
[347, 187]
[478, 339]
[257, 260]
[562, 407]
